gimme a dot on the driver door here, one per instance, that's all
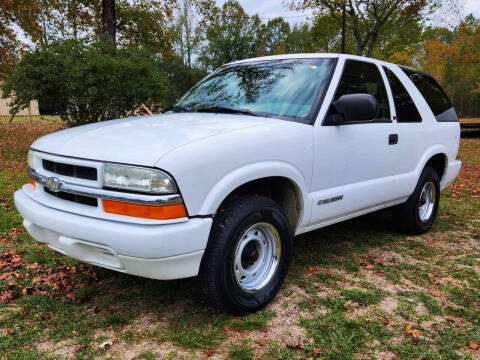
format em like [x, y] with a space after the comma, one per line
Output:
[355, 166]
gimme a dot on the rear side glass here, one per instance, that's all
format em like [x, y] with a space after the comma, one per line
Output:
[364, 78]
[404, 105]
[433, 93]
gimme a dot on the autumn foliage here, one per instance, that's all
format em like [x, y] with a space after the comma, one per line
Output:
[453, 57]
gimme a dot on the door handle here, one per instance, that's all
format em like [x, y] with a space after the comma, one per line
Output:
[392, 139]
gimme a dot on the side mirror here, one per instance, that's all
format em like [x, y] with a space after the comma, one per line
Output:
[353, 107]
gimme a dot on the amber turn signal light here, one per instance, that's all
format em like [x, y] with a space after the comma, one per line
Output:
[160, 212]
[31, 181]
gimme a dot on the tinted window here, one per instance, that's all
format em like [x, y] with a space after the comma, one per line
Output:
[404, 105]
[364, 78]
[431, 91]
[286, 88]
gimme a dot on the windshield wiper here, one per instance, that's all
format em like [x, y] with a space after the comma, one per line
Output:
[180, 108]
[226, 109]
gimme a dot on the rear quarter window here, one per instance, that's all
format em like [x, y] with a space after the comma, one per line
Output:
[404, 105]
[433, 93]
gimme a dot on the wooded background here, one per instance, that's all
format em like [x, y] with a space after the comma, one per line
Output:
[90, 60]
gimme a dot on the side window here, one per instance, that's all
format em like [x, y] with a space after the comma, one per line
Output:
[364, 78]
[406, 109]
[431, 91]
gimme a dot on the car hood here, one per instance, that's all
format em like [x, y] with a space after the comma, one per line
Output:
[142, 140]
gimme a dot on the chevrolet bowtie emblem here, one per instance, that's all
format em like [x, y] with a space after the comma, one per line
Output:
[53, 184]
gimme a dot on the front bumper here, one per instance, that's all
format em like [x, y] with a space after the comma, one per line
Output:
[157, 251]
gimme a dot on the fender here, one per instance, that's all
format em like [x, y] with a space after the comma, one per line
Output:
[431, 151]
[255, 171]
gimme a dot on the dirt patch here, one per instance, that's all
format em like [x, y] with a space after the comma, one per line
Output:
[63, 348]
[123, 350]
[284, 326]
[464, 241]
[385, 256]
[144, 325]
[388, 305]
[385, 355]
[354, 310]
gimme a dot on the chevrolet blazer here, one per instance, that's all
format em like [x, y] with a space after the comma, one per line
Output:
[257, 152]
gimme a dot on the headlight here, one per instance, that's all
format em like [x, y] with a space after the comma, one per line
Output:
[138, 179]
[30, 160]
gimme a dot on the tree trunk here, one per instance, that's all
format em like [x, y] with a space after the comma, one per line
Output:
[109, 21]
[372, 44]
[44, 23]
[186, 9]
[344, 25]
[75, 25]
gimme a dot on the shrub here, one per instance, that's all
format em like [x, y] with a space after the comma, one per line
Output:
[87, 82]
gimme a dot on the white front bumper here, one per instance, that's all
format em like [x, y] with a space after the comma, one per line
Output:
[166, 251]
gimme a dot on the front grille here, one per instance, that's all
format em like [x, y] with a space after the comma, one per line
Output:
[76, 171]
[79, 199]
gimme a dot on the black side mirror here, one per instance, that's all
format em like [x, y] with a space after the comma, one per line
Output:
[353, 107]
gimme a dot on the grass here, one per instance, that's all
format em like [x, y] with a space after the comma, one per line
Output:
[353, 291]
[363, 297]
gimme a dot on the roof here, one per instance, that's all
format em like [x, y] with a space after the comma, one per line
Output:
[309, 56]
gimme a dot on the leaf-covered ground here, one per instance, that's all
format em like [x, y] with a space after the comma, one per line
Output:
[355, 290]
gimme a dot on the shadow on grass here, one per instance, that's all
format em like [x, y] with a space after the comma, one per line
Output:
[336, 244]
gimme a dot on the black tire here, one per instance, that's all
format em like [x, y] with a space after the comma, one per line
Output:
[406, 217]
[217, 278]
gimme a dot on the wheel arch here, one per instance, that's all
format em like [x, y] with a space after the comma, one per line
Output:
[280, 181]
[439, 163]
[437, 158]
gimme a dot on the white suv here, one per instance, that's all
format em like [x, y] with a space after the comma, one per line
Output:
[257, 152]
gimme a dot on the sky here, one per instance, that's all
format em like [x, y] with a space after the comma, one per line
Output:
[274, 8]
[473, 6]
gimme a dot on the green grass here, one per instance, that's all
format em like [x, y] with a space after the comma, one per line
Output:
[364, 297]
[253, 321]
[196, 330]
[331, 300]
[241, 351]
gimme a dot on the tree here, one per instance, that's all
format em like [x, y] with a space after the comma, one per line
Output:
[144, 23]
[109, 19]
[187, 31]
[14, 15]
[86, 82]
[453, 57]
[273, 37]
[231, 34]
[179, 78]
[69, 19]
[326, 36]
[364, 19]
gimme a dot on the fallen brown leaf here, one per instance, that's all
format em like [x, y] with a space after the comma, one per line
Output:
[473, 345]
[262, 342]
[414, 332]
[208, 352]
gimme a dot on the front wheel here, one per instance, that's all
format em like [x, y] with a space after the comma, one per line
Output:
[416, 216]
[247, 256]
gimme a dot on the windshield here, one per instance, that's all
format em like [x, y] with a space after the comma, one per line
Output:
[279, 88]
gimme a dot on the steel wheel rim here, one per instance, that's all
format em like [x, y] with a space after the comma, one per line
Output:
[256, 257]
[426, 202]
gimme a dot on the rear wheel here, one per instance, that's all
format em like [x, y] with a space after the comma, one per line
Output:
[417, 214]
[247, 256]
